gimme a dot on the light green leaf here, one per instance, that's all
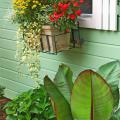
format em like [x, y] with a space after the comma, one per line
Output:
[62, 108]
[11, 117]
[111, 73]
[10, 111]
[91, 97]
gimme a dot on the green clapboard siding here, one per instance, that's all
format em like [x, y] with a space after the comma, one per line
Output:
[99, 48]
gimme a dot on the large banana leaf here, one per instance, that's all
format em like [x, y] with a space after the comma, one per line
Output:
[63, 81]
[62, 107]
[111, 73]
[91, 97]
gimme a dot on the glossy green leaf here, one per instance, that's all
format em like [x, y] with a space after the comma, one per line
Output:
[91, 97]
[111, 73]
[10, 117]
[63, 81]
[62, 107]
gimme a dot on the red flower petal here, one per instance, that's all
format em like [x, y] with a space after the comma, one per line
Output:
[76, 4]
[65, 6]
[78, 12]
[51, 18]
[60, 4]
[72, 16]
[81, 1]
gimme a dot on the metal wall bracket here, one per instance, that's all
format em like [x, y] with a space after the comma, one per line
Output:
[118, 16]
[118, 22]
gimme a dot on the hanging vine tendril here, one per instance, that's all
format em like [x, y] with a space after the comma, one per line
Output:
[31, 15]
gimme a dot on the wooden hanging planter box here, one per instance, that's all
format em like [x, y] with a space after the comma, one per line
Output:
[54, 41]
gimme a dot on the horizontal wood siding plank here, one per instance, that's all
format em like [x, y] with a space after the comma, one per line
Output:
[6, 12]
[84, 60]
[15, 86]
[15, 76]
[8, 23]
[8, 34]
[8, 54]
[98, 36]
[10, 93]
[13, 65]
[8, 44]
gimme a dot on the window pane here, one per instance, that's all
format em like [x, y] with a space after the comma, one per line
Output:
[87, 7]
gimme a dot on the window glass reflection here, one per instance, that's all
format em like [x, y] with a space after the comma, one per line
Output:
[87, 7]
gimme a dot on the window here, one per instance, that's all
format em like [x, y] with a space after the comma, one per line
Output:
[99, 14]
[87, 7]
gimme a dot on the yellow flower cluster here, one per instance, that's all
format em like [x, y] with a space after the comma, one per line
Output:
[21, 6]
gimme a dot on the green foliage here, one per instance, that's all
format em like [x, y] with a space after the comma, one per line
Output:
[1, 91]
[31, 105]
[93, 97]
[111, 72]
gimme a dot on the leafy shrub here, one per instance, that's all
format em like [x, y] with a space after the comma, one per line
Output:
[31, 105]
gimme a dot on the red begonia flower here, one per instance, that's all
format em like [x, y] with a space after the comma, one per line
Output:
[60, 4]
[65, 6]
[76, 4]
[72, 16]
[81, 1]
[51, 18]
[78, 12]
[56, 16]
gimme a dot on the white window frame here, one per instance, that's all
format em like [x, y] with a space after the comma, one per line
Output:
[103, 17]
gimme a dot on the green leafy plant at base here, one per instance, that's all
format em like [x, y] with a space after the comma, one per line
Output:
[93, 96]
[31, 105]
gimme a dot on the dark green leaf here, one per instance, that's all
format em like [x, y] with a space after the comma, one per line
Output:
[116, 115]
[62, 108]
[63, 81]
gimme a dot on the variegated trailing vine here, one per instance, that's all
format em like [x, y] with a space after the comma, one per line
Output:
[30, 15]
